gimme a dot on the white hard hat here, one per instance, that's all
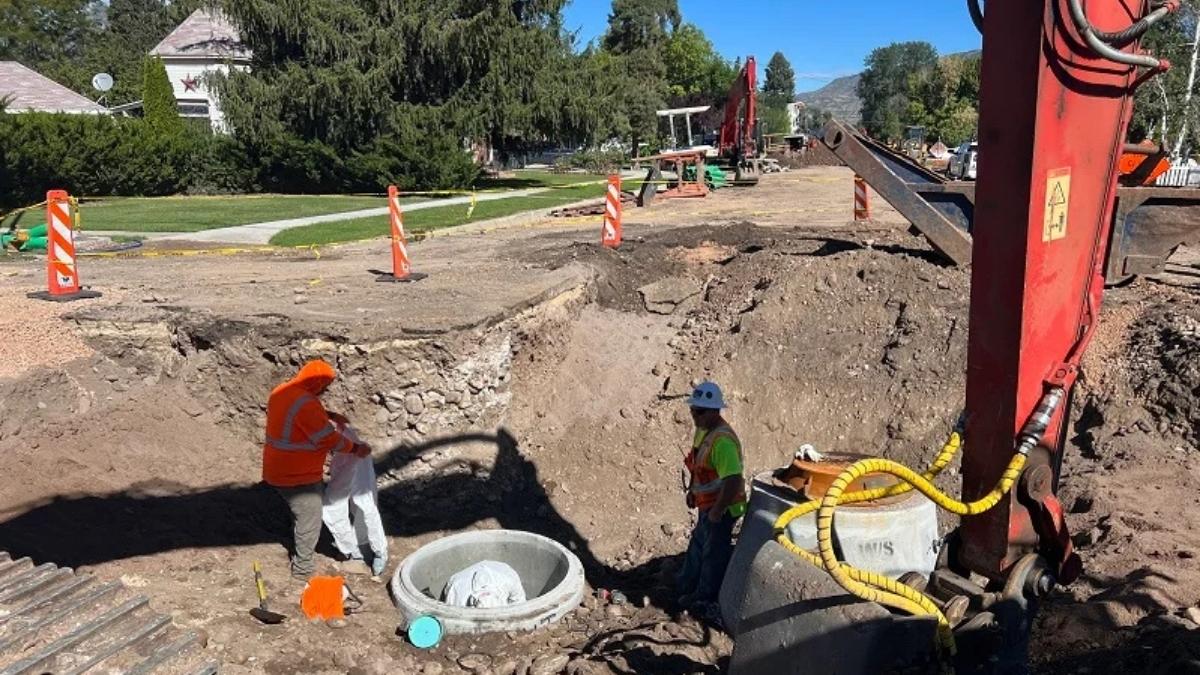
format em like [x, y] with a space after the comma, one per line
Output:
[707, 395]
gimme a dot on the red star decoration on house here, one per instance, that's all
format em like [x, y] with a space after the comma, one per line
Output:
[190, 83]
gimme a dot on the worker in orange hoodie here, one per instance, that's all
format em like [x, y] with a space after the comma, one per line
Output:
[300, 435]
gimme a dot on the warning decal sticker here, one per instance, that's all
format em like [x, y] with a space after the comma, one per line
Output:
[1058, 199]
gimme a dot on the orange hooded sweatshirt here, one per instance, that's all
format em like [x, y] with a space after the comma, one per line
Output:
[300, 434]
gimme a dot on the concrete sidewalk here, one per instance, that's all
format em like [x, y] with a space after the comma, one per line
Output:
[261, 233]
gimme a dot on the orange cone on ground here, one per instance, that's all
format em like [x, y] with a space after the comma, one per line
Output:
[611, 235]
[862, 202]
[401, 266]
[62, 270]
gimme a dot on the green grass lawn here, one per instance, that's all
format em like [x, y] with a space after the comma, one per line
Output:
[437, 218]
[193, 214]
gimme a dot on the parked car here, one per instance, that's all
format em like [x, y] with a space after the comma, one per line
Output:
[962, 162]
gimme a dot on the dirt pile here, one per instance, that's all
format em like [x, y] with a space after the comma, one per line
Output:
[1128, 482]
[1165, 360]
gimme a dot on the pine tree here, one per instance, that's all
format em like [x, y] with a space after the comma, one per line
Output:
[780, 83]
[640, 24]
[364, 77]
[45, 34]
[158, 99]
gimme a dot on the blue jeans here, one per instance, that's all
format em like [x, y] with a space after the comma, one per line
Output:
[707, 557]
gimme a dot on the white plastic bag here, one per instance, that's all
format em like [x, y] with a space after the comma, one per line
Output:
[350, 509]
[485, 584]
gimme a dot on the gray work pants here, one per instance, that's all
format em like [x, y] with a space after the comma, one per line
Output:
[305, 504]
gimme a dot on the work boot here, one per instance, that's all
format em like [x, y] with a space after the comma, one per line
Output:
[378, 565]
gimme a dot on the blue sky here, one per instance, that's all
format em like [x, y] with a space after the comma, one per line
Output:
[822, 40]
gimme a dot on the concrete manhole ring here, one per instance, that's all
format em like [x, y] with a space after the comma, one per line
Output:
[552, 577]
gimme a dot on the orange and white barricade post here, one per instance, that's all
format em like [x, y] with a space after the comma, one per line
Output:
[862, 201]
[610, 236]
[401, 265]
[62, 268]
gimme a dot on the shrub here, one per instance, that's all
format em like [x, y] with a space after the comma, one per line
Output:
[158, 99]
[597, 161]
[89, 155]
[222, 166]
[437, 163]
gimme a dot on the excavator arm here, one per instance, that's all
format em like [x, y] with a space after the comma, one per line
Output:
[1056, 98]
[737, 143]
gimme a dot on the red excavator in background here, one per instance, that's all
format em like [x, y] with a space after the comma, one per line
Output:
[738, 144]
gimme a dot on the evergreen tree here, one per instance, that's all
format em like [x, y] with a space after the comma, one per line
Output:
[158, 99]
[779, 87]
[640, 24]
[361, 77]
[45, 34]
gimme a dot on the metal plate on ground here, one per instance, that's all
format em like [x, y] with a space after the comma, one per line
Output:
[54, 620]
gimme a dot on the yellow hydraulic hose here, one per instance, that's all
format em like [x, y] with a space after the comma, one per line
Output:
[895, 594]
[943, 459]
[881, 589]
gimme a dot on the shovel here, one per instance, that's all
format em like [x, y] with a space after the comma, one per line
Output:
[261, 612]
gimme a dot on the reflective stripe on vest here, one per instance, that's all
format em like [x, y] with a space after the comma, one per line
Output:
[291, 455]
[706, 483]
[289, 421]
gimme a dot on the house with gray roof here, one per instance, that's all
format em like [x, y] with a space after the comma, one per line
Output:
[25, 90]
[204, 44]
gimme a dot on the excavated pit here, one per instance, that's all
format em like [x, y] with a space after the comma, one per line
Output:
[558, 413]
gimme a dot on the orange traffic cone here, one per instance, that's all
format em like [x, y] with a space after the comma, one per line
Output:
[401, 266]
[610, 236]
[62, 270]
[862, 201]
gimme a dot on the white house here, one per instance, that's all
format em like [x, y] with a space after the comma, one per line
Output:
[795, 111]
[205, 43]
[25, 90]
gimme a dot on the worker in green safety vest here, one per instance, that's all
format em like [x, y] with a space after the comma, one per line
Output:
[717, 490]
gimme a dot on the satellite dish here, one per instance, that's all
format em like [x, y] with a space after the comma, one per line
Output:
[102, 82]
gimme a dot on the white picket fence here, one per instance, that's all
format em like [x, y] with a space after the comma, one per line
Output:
[1180, 175]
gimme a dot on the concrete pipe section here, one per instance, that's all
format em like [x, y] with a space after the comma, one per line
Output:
[551, 575]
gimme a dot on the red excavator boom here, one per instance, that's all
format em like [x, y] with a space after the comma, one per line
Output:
[737, 143]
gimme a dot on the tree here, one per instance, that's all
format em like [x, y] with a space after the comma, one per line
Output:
[1167, 108]
[887, 85]
[118, 36]
[43, 34]
[780, 83]
[638, 31]
[694, 68]
[380, 81]
[158, 99]
[945, 100]
[640, 24]
[774, 119]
